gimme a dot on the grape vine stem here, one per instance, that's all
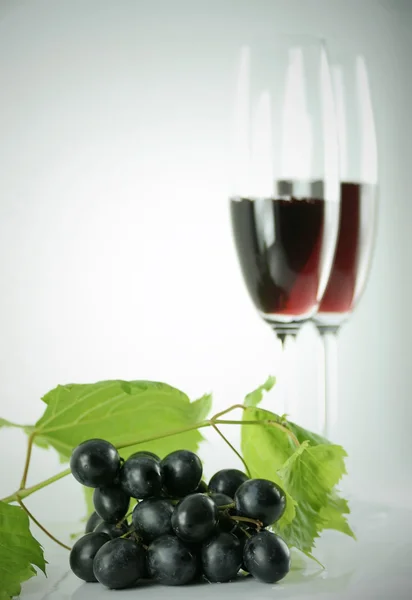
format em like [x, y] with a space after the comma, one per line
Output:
[258, 524]
[40, 526]
[224, 438]
[27, 463]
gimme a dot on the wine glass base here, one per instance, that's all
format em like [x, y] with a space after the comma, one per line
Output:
[282, 330]
[325, 329]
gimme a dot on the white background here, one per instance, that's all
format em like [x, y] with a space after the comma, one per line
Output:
[116, 253]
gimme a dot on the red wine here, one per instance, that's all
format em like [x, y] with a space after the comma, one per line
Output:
[354, 248]
[281, 248]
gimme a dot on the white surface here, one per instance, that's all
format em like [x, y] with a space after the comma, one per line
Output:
[116, 253]
[376, 567]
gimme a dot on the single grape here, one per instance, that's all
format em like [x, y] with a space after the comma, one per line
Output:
[92, 522]
[95, 463]
[195, 518]
[201, 488]
[112, 530]
[266, 557]
[221, 499]
[222, 557]
[83, 553]
[227, 481]
[120, 563]
[182, 472]
[171, 562]
[141, 477]
[260, 499]
[111, 503]
[146, 453]
[152, 518]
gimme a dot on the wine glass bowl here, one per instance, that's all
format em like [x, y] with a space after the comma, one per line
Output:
[285, 202]
[359, 193]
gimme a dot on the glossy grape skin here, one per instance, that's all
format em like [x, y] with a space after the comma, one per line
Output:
[146, 453]
[92, 522]
[152, 518]
[111, 503]
[120, 563]
[266, 557]
[171, 562]
[221, 499]
[227, 481]
[195, 518]
[181, 471]
[95, 463]
[141, 477]
[112, 530]
[260, 499]
[221, 557]
[83, 552]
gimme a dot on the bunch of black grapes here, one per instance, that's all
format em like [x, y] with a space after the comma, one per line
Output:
[181, 529]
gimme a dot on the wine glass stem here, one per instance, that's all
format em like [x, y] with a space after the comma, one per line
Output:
[329, 414]
[286, 374]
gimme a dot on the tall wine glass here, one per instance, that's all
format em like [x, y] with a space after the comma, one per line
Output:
[285, 200]
[357, 225]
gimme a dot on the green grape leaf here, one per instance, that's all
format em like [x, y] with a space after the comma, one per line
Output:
[333, 515]
[267, 446]
[120, 411]
[201, 408]
[254, 398]
[304, 435]
[309, 476]
[19, 551]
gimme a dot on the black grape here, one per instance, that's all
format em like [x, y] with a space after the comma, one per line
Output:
[227, 481]
[260, 499]
[221, 499]
[171, 562]
[152, 518]
[181, 471]
[195, 518]
[83, 552]
[92, 522]
[95, 463]
[222, 557]
[140, 477]
[266, 557]
[146, 453]
[111, 503]
[120, 563]
[112, 530]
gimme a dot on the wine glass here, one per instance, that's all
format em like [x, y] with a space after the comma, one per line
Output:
[358, 216]
[285, 198]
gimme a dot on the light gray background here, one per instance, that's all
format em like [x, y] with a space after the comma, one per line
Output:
[116, 254]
